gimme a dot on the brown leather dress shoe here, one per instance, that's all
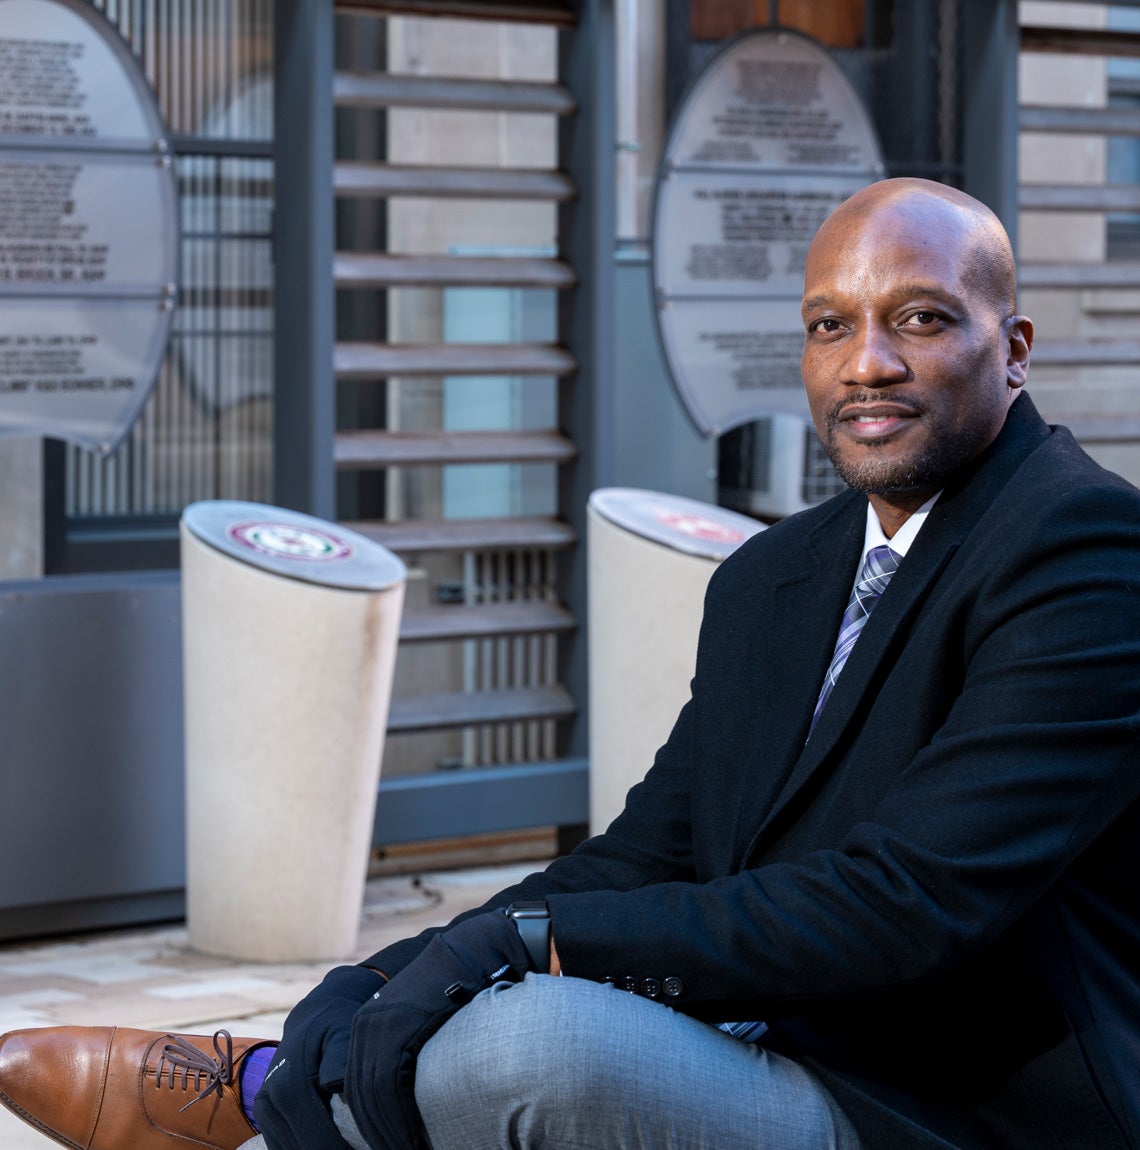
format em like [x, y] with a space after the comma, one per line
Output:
[108, 1088]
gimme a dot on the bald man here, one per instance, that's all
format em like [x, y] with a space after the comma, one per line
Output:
[878, 888]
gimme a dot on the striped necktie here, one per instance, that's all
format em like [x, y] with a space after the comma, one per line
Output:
[878, 567]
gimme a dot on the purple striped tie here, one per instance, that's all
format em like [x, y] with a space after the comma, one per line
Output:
[878, 567]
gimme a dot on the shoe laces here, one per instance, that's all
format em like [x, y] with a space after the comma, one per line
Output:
[181, 1057]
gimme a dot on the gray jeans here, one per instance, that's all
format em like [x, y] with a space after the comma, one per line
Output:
[566, 1064]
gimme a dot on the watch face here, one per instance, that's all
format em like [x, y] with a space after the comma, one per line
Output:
[528, 910]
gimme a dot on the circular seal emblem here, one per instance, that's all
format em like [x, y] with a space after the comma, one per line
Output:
[698, 527]
[286, 541]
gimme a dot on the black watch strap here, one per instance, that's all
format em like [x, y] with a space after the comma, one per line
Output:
[533, 922]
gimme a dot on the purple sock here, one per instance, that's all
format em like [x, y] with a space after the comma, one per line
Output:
[252, 1076]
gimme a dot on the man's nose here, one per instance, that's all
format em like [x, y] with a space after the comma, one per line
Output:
[873, 359]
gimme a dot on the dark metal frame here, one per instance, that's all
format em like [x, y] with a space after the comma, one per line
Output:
[305, 400]
[361, 225]
[587, 228]
[990, 120]
[455, 804]
[459, 803]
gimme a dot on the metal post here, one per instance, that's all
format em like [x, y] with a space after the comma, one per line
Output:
[586, 225]
[304, 414]
[989, 121]
[360, 225]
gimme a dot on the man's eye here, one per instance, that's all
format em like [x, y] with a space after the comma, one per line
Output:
[825, 326]
[922, 319]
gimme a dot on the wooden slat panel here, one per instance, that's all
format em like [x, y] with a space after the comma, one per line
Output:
[360, 180]
[1112, 275]
[1078, 353]
[429, 624]
[463, 709]
[533, 533]
[1091, 121]
[561, 15]
[1080, 41]
[1079, 197]
[377, 269]
[356, 450]
[381, 360]
[1127, 87]
[384, 90]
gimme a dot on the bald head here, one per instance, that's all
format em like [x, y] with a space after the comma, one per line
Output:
[947, 217]
[913, 351]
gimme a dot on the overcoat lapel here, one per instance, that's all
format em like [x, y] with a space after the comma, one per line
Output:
[793, 639]
[810, 602]
[954, 515]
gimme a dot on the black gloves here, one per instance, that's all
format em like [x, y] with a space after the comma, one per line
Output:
[389, 1031]
[357, 1034]
[292, 1106]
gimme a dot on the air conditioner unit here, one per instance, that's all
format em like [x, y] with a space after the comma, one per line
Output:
[774, 467]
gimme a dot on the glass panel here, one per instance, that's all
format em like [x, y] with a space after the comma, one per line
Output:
[206, 431]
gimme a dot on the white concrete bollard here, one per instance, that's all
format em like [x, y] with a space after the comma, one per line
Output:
[650, 557]
[289, 642]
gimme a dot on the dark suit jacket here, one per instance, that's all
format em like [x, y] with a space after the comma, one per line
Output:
[935, 902]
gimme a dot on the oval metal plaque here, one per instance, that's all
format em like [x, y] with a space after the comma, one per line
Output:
[770, 138]
[89, 231]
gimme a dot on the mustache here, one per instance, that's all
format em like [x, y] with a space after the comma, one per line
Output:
[913, 404]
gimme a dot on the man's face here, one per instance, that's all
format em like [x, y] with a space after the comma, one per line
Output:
[906, 355]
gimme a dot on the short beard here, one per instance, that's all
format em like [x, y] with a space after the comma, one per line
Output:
[929, 469]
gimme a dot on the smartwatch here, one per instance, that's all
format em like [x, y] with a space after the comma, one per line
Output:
[533, 922]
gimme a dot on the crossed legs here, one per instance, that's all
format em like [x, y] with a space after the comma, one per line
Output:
[566, 1064]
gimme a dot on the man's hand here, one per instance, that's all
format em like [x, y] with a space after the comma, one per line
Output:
[389, 1031]
[292, 1106]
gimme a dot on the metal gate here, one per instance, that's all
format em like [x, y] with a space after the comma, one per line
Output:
[364, 429]
[1079, 238]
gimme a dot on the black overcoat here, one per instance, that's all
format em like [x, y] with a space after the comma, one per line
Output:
[934, 901]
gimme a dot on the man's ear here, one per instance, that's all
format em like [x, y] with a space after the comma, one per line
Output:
[1020, 335]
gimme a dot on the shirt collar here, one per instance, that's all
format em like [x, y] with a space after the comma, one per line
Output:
[874, 536]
